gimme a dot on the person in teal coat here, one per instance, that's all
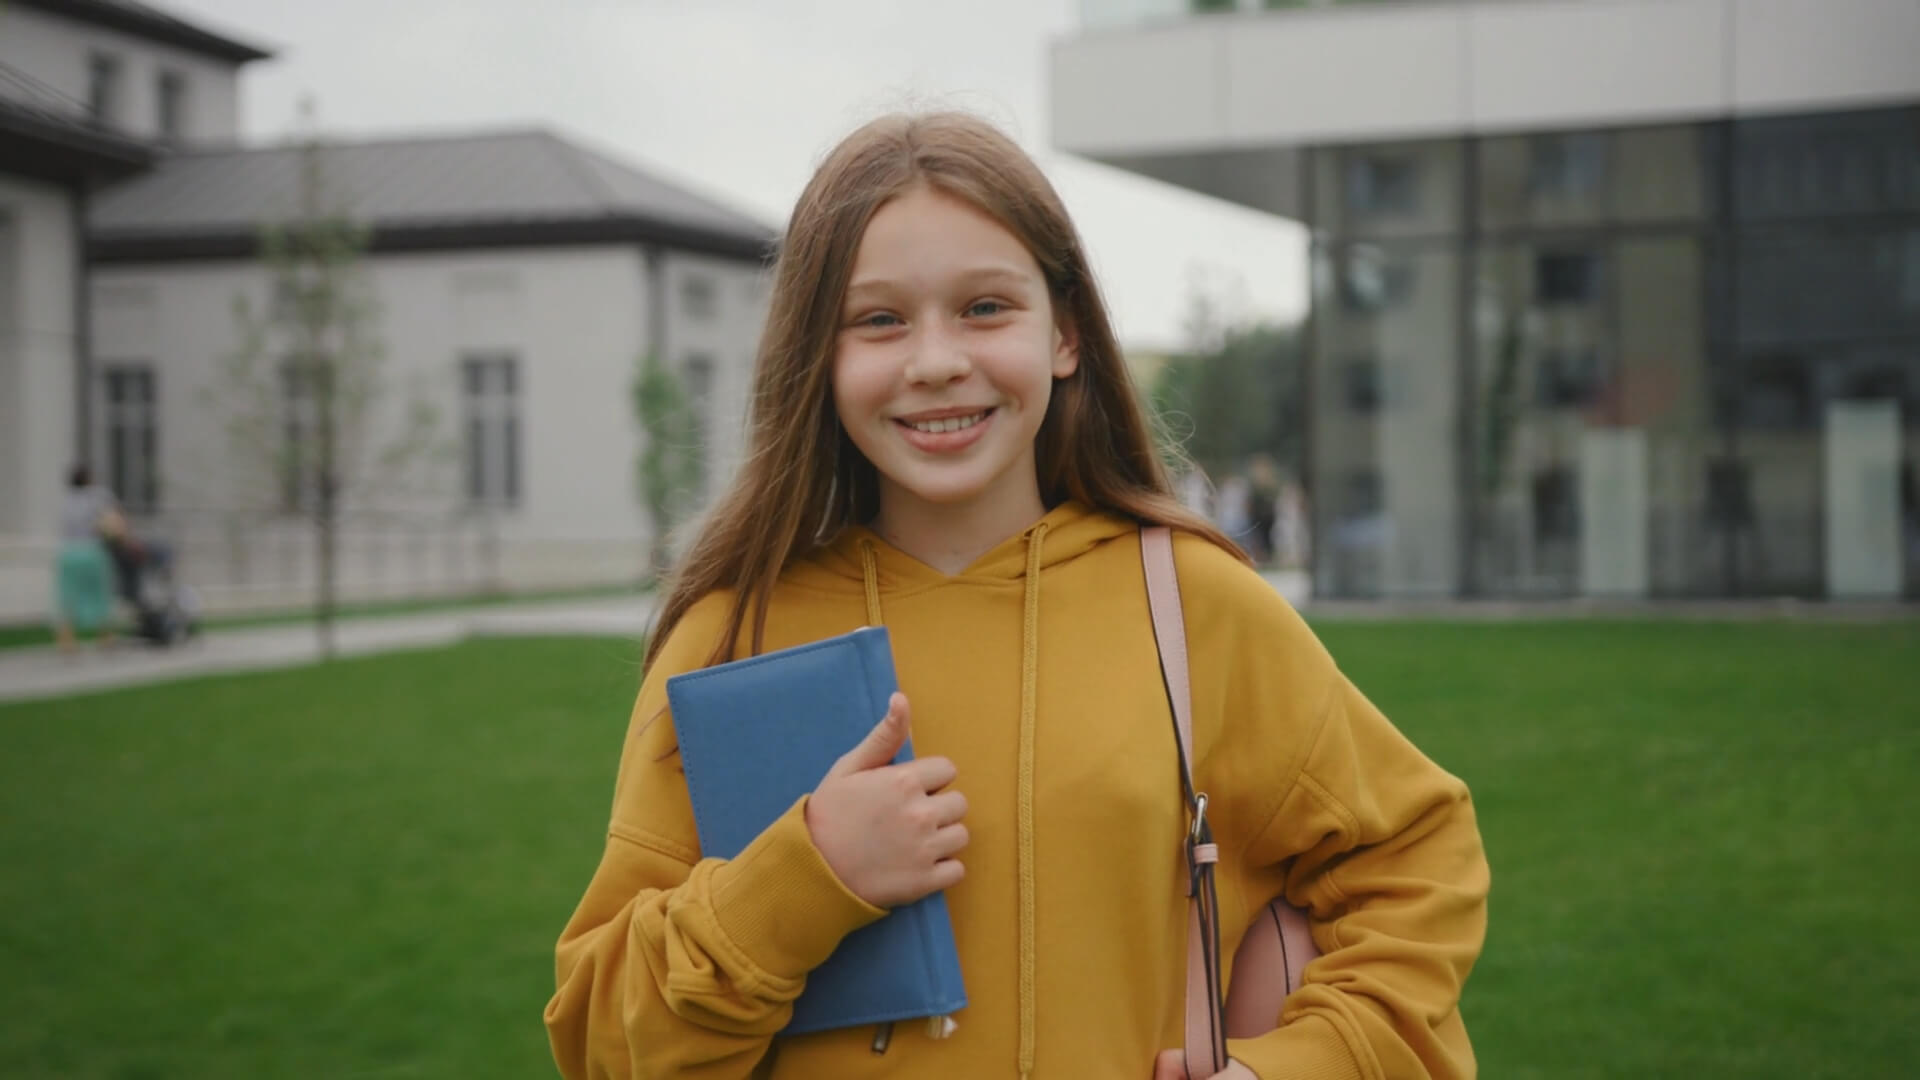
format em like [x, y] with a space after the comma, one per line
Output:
[83, 570]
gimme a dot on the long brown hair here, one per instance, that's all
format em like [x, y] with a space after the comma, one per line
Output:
[802, 480]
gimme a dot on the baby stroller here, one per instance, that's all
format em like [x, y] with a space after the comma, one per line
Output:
[164, 611]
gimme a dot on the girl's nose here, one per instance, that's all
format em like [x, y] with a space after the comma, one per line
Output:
[937, 358]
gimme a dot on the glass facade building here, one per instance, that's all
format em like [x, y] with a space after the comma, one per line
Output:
[1611, 298]
[1668, 360]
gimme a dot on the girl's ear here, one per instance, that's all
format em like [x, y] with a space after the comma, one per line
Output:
[1066, 346]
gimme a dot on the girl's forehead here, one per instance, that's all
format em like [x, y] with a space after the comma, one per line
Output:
[926, 230]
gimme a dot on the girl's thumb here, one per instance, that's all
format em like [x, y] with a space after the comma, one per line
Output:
[882, 743]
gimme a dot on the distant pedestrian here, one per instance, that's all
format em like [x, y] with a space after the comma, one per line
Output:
[83, 572]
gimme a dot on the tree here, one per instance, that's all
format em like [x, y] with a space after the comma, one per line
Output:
[668, 470]
[1236, 393]
[302, 393]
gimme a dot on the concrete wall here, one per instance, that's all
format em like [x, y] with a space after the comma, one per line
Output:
[55, 52]
[1375, 72]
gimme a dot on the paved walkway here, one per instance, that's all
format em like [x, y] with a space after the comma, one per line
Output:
[38, 673]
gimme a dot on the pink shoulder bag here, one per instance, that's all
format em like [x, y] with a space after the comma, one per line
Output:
[1276, 947]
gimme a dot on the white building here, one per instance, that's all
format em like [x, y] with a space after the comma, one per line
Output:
[1612, 297]
[519, 277]
[88, 93]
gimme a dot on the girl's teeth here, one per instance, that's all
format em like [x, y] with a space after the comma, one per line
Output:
[951, 423]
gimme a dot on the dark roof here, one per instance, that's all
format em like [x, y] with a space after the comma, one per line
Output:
[143, 20]
[501, 189]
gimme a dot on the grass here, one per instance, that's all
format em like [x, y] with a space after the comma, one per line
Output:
[1702, 838]
[356, 870]
[1701, 834]
[29, 635]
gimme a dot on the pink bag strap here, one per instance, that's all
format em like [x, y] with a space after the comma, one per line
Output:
[1206, 1039]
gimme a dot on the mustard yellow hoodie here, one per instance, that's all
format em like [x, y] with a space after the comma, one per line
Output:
[1035, 671]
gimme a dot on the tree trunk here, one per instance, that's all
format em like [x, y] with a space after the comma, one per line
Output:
[326, 508]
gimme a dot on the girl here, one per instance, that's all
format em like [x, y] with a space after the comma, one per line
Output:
[944, 440]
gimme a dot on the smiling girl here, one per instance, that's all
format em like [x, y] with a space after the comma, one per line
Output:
[944, 440]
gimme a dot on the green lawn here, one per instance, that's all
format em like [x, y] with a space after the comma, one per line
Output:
[1702, 836]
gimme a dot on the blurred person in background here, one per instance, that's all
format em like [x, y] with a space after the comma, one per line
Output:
[1263, 499]
[90, 518]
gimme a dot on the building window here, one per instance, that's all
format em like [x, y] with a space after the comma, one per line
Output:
[1566, 277]
[299, 433]
[1361, 496]
[1360, 384]
[1572, 166]
[490, 387]
[699, 382]
[1555, 503]
[697, 298]
[132, 428]
[1566, 378]
[1381, 184]
[1777, 392]
[172, 101]
[1373, 281]
[103, 88]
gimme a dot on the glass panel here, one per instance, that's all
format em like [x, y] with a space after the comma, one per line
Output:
[1390, 190]
[1385, 468]
[1546, 364]
[1827, 165]
[1661, 174]
[1770, 505]
[119, 460]
[1505, 201]
[103, 88]
[1662, 388]
[1551, 180]
[1826, 283]
[148, 498]
[476, 459]
[510, 450]
[1910, 474]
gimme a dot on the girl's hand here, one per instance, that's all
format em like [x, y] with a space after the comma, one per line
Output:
[889, 832]
[1172, 1065]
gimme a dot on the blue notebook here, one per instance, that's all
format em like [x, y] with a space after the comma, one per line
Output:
[758, 733]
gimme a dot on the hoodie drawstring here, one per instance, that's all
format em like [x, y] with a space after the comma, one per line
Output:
[870, 571]
[1029, 684]
[1029, 705]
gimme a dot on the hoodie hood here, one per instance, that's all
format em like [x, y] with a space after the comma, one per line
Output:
[1071, 530]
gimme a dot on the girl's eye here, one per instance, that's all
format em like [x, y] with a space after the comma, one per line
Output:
[879, 320]
[985, 308]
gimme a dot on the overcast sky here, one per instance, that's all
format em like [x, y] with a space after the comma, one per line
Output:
[740, 98]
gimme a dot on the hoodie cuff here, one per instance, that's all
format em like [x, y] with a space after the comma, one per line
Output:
[780, 902]
[1308, 1048]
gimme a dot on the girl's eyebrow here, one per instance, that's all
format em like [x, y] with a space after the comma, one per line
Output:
[978, 277]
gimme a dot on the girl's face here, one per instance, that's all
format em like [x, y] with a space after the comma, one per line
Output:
[946, 356]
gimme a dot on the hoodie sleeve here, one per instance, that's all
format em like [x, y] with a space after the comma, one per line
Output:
[677, 966]
[1321, 799]
[1381, 847]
